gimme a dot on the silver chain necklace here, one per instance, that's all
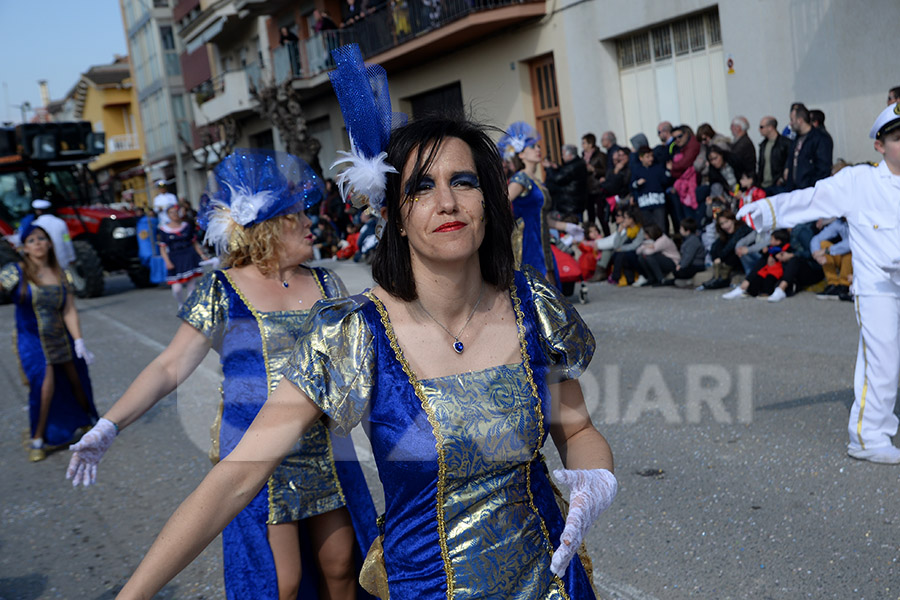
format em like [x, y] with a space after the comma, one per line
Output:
[457, 345]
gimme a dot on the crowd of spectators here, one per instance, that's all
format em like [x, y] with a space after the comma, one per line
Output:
[665, 214]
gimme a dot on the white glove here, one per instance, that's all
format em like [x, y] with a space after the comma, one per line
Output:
[752, 215]
[893, 269]
[88, 452]
[592, 491]
[210, 262]
[82, 352]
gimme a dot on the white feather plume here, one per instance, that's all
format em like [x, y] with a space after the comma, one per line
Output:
[245, 204]
[218, 230]
[364, 178]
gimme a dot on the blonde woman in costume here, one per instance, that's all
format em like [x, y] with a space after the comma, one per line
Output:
[251, 314]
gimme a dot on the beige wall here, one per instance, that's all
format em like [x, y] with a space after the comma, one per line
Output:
[830, 54]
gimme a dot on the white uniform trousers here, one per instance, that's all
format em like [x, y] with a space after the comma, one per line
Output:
[872, 420]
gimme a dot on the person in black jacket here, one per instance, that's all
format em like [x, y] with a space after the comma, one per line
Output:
[773, 153]
[810, 156]
[567, 184]
[722, 252]
[742, 151]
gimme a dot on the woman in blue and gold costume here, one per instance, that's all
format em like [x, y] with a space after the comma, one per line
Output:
[460, 368]
[530, 201]
[49, 345]
[251, 314]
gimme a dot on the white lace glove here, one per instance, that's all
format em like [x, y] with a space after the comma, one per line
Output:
[752, 215]
[88, 452]
[592, 491]
[82, 352]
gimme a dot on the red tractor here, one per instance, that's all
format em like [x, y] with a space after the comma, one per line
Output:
[49, 160]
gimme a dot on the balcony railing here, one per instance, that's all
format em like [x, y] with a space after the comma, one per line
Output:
[122, 143]
[377, 32]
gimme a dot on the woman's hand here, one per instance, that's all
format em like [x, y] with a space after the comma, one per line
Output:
[592, 492]
[82, 352]
[89, 451]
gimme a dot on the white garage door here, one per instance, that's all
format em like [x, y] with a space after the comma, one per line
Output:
[674, 72]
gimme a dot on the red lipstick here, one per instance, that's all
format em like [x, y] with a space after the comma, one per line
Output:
[451, 226]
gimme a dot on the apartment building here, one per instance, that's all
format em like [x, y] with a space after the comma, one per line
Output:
[569, 67]
[154, 50]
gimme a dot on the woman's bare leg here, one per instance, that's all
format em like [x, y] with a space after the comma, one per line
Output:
[333, 539]
[47, 389]
[284, 539]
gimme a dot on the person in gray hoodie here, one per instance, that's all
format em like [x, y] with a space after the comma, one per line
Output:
[693, 254]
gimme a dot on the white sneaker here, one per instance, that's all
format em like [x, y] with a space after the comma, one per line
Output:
[734, 294]
[889, 455]
[778, 295]
[641, 280]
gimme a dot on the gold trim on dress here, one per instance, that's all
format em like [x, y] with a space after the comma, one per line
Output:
[529, 374]
[439, 440]
[215, 429]
[265, 352]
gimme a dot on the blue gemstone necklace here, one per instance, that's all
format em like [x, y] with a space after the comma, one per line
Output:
[457, 345]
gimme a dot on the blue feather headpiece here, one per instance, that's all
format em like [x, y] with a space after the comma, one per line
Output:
[362, 92]
[519, 136]
[252, 186]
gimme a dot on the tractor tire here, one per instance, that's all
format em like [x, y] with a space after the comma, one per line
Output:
[8, 255]
[140, 277]
[88, 269]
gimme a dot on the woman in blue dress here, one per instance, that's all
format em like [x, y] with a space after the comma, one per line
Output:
[49, 345]
[251, 314]
[530, 201]
[460, 368]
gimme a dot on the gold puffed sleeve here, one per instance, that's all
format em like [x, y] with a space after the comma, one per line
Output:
[9, 277]
[206, 309]
[565, 336]
[333, 361]
[524, 180]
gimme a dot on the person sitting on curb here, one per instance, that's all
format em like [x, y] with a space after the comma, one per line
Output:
[766, 274]
[730, 231]
[831, 249]
[657, 257]
[693, 254]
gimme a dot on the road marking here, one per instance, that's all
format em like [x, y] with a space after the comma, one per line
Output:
[619, 591]
[148, 341]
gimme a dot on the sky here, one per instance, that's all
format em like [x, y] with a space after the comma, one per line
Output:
[56, 40]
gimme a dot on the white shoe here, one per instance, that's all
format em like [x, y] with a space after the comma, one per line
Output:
[641, 280]
[734, 294]
[889, 455]
[778, 295]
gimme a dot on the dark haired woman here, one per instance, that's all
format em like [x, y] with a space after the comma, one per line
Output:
[49, 345]
[461, 367]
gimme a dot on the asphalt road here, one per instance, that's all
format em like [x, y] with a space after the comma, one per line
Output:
[727, 421]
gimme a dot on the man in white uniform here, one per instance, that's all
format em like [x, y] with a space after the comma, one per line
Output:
[163, 200]
[869, 198]
[58, 231]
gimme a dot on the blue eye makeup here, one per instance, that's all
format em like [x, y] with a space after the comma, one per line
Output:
[467, 179]
[426, 183]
